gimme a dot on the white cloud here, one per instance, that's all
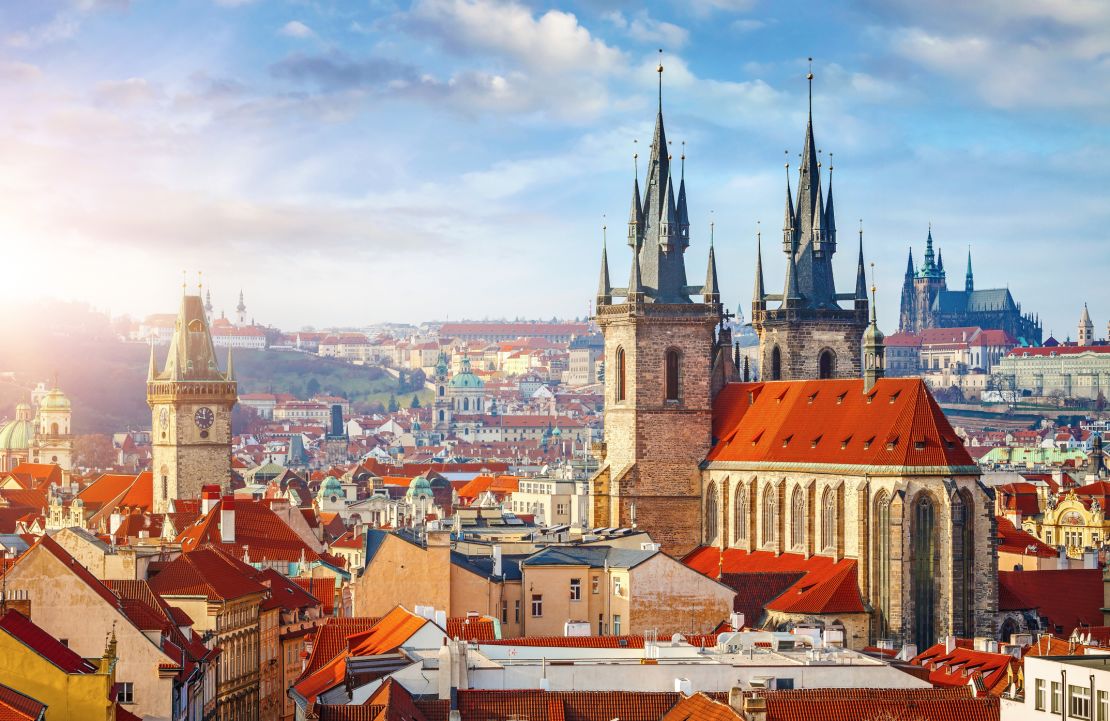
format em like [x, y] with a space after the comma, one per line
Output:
[129, 92]
[15, 71]
[296, 29]
[705, 7]
[645, 29]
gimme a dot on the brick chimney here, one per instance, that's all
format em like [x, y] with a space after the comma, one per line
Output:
[227, 519]
[209, 498]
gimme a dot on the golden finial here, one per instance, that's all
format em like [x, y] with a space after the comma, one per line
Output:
[712, 227]
[660, 71]
[184, 283]
[200, 283]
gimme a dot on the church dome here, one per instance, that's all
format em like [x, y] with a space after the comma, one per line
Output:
[331, 487]
[419, 488]
[872, 336]
[466, 380]
[16, 435]
[55, 400]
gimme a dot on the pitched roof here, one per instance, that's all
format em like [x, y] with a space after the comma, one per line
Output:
[592, 556]
[208, 572]
[1012, 539]
[826, 586]
[853, 704]
[15, 706]
[700, 707]
[258, 531]
[1081, 605]
[386, 635]
[960, 666]
[833, 422]
[698, 640]
[23, 630]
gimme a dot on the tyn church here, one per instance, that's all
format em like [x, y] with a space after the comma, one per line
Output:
[860, 477]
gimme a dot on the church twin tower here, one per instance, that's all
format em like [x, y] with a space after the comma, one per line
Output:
[667, 352]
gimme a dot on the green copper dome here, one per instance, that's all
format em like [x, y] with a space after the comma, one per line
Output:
[466, 378]
[55, 400]
[16, 435]
[419, 487]
[331, 487]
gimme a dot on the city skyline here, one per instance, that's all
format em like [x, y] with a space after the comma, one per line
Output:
[228, 146]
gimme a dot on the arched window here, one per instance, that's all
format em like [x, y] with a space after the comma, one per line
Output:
[924, 571]
[441, 390]
[711, 513]
[466, 404]
[770, 520]
[441, 415]
[880, 577]
[620, 375]
[672, 364]
[828, 520]
[776, 364]
[826, 364]
[741, 513]
[798, 519]
[963, 552]
[54, 428]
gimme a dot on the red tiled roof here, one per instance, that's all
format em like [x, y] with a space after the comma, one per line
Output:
[386, 635]
[14, 706]
[322, 589]
[1021, 497]
[40, 473]
[700, 707]
[1081, 605]
[828, 586]
[957, 668]
[105, 489]
[536, 705]
[331, 640]
[23, 630]
[854, 704]
[1014, 540]
[258, 531]
[834, 422]
[208, 572]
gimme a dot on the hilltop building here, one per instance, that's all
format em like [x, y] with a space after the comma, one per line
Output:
[40, 431]
[928, 303]
[190, 401]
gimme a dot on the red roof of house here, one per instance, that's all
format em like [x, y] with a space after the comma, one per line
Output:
[537, 705]
[962, 665]
[14, 706]
[40, 473]
[1067, 598]
[700, 707]
[897, 423]
[1014, 540]
[208, 572]
[827, 586]
[23, 630]
[853, 704]
[259, 532]
[321, 589]
[1021, 497]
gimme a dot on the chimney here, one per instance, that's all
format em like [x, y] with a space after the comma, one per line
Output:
[227, 519]
[115, 521]
[1090, 558]
[209, 498]
[755, 708]
[736, 698]
[497, 568]
[443, 678]
[949, 644]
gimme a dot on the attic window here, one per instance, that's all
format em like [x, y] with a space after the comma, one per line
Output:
[786, 441]
[758, 437]
[894, 396]
[844, 443]
[919, 445]
[892, 443]
[840, 398]
[815, 441]
[811, 397]
[870, 397]
[868, 442]
[751, 398]
[782, 395]
[948, 443]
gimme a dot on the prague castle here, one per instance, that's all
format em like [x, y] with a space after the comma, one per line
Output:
[190, 401]
[826, 464]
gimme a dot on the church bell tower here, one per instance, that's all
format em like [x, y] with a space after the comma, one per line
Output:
[190, 401]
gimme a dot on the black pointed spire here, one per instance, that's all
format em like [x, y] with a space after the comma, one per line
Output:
[604, 289]
[940, 262]
[680, 207]
[791, 296]
[929, 268]
[830, 214]
[636, 212]
[759, 294]
[909, 266]
[788, 235]
[711, 291]
[635, 285]
[969, 278]
[861, 272]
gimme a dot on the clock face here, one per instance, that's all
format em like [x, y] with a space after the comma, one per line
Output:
[204, 418]
[164, 417]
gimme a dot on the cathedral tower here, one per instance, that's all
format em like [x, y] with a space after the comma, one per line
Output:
[809, 335]
[1086, 334]
[190, 402]
[663, 361]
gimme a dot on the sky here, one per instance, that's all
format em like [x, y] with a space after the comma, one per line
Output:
[346, 163]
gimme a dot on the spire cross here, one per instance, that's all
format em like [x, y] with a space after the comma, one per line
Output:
[809, 77]
[660, 71]
[683, 176]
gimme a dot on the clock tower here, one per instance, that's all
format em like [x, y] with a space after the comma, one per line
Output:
[190, 402]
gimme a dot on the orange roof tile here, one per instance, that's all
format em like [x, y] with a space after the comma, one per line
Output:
[700, 707]
[387, 635]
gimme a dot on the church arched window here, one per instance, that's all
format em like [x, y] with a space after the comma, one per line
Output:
[441, 390]
[741, 513]
[924, 570]
[881, 575]
[711, 513]
[673, 361]
[466, 404]
[776, 364]
[770, 520]
[826, 364]
[620, 379]
[963, 553]
[798, 519]
[828, 520]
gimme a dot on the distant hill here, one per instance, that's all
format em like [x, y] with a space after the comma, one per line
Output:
[106, 379]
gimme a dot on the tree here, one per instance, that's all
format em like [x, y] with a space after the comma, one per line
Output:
[313, 387]
[94, 451]
[393, 407]
[415, 401]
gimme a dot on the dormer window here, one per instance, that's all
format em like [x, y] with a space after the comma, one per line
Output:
[894, 396]
[919, 445]
[868, 442]
[815, 441]
[811, 398]
[786, 441]
[840, 398]
[892, 443]
[844, 443]
[758, 437]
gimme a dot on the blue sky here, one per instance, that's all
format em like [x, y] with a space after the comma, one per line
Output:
[352, 162]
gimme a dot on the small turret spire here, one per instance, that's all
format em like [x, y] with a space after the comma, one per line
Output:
[909, 265]
[604, 289]
[969, 278]
[635, 286]
[151, 371]
[874, 352]
[809, 77]
[788, 217]
[791, 296]
[861, 273]
[711, 292]
[758, 295]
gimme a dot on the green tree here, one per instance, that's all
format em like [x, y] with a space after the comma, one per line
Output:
[415, 401]
[313, 387]
[393, 407]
